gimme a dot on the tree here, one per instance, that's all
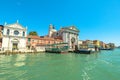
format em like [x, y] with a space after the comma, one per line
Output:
[33, 33]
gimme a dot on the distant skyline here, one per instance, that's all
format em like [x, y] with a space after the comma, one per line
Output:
[96, 19]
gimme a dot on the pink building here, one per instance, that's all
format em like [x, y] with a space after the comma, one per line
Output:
[39, 42]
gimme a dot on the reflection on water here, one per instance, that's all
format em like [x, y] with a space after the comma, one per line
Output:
[20, 60]
[18, 64]
[85, 76]
[20, 57]
[99, 66]
[5, 59]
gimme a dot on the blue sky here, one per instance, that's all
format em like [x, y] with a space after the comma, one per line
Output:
[96, 19]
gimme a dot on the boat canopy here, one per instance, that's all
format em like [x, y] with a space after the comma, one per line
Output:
[56, 44]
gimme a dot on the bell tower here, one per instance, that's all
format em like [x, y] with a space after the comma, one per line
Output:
[51, 30]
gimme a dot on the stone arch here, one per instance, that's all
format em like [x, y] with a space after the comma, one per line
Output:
[15, 44]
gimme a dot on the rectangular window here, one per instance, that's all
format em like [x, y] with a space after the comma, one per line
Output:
[29, 39]
[32, 40]
[68, 36]
[8, 31]
[23, 33]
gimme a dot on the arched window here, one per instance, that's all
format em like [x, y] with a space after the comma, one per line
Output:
[23, 33]
[8, 31]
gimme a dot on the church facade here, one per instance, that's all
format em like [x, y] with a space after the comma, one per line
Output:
[68, 35]
[14, 37]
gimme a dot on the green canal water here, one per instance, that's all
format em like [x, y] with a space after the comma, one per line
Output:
[104, 65]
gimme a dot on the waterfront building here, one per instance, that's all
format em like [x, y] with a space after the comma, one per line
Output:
[87, 44]
[67, 34]
[112, 45]
[84, 45]
[14, 37]
[102, 45]
[96, 43]
[107, 46]
[38, 43]
[1, 35]
[80, 44]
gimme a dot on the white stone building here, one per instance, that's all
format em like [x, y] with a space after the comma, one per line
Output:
[68, 35]
[14, 37]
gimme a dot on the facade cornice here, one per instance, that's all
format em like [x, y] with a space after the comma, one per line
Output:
[14, 36]
[15, 26]
[69, 31]
[73, 28]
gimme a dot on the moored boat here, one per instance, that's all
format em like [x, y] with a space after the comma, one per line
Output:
[84, 51]
[57, 48]
[89, 50]
[107, 49]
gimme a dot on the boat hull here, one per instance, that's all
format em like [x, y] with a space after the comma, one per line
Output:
[107, 49]
[57, 52]
[83, 52]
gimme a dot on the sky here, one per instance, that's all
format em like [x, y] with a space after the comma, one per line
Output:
[96, 19]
